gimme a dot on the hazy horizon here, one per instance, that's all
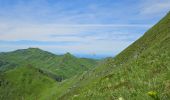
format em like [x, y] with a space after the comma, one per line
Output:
[94, 29]
[92, 56]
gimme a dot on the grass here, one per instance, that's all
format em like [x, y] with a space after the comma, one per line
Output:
[140, 72]
[24, 83]
[142, 67]
[64, 66]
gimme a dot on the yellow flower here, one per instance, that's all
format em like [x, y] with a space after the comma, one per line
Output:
[152, 93]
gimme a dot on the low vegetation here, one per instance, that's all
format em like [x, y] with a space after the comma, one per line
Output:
[140, 72]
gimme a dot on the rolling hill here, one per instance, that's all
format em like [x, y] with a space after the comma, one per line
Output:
[140, 72]
[24, 83]
[30, 74]
[63, 66]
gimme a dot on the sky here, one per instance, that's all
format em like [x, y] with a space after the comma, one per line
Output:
[85, 28]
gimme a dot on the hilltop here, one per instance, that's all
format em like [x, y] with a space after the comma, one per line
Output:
[64, 66]
[31, 73]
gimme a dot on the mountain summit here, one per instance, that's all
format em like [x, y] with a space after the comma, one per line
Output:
[45, 61]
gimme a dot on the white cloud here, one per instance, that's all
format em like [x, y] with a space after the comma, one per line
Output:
[150, 7]
[59, 22]
[94, 42]
[97, 47]
[47, 32]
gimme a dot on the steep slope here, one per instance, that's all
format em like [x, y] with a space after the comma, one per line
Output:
[64, 66]
[24, 83]
[140, 72]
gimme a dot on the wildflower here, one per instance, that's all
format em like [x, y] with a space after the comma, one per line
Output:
[107, 79]
[153, 94]
[76, 96]
[120, 98]
[109, 85]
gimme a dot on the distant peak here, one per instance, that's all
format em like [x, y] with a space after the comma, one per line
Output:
[68, 55]
[29, 50]
[32, 48]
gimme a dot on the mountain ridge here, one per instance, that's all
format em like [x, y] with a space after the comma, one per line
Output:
[140, 72]
[141, 68]
[45, 60]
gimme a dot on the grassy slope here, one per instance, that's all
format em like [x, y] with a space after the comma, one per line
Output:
[144, 66]
[37, 81]
[30, 83]
[64, 66]
[24, 83]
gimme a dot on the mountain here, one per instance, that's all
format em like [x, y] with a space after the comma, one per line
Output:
[140, 72]
[31, 74]
[63, 66]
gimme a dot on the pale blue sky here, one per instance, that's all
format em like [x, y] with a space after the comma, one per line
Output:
[82, 27]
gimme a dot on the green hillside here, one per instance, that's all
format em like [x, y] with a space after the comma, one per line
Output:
[24, 83]
[140, 72]
[63, 66]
